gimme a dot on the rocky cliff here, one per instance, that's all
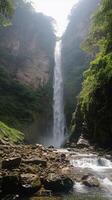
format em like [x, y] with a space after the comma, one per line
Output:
[93, 116]
[26, 66]
[75, 60]
[28, 45]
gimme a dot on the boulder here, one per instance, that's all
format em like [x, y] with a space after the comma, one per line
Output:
[43, 163]
[82, 143]
[58, 184]
[30, 184]
[11, 163]
[90, 181]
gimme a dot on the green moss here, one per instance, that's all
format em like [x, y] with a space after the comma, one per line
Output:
[95, 101]
[11, 134]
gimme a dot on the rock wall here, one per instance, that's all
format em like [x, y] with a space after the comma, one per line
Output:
[74, 59]
[26, 71]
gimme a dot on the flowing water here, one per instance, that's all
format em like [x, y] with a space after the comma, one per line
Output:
[58, 107]
[99, 167]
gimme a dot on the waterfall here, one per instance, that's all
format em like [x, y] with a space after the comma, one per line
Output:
[58, 105]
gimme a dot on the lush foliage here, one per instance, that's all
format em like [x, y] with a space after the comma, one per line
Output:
[10, 134]
[96, 96]
[6, 11]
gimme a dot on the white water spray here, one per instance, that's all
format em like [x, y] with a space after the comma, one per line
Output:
[58, 107]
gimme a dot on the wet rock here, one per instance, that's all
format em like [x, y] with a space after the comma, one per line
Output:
[43, 163]
[58, 184]
[109, 157]
[30, 184]
[45, 193]
[10, 184]
[82, 143]
[11, 163]
[90, 181]
[51, 147]
[63, 157]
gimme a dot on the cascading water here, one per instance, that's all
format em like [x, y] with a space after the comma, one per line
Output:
[58, 107]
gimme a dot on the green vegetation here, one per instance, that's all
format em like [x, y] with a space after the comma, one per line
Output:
[20, 104]
[10, 134]
[6, 11]
[95, 99]
[75, 60]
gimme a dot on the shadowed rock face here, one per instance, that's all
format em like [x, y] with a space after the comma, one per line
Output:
[74, 59]
[27, 47]
[27, 61]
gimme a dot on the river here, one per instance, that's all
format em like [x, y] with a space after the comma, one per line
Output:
[92, 164]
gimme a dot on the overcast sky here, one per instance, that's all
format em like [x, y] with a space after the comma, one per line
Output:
[58, 9]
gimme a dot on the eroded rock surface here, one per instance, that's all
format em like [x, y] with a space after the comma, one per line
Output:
[29, 169]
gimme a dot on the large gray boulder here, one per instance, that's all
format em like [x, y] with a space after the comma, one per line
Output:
[58, 184]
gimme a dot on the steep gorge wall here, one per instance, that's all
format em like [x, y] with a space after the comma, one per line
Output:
[74, 59]
[26, 69]
[93, 116]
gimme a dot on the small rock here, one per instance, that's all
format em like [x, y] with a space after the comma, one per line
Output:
[51, 147]
[63, 157]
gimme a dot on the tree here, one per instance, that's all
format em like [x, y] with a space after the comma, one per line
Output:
[6, 11]
[100, 35]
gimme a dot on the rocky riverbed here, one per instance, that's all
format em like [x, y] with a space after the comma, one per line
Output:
[29, 169]
[33, 170]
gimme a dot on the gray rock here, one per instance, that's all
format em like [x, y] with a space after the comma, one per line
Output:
[35, 161]
[90, 181]
[82, 143]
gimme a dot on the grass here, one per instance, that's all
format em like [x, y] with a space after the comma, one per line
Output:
[11, 134]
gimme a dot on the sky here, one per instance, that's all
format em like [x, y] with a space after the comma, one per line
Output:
[58, 9]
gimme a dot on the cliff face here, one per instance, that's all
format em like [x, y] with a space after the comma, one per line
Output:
[26, 66]
[75, 60]
[25, 45]
[93, 116]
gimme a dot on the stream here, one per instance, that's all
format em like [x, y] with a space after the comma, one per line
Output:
[99, 167]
